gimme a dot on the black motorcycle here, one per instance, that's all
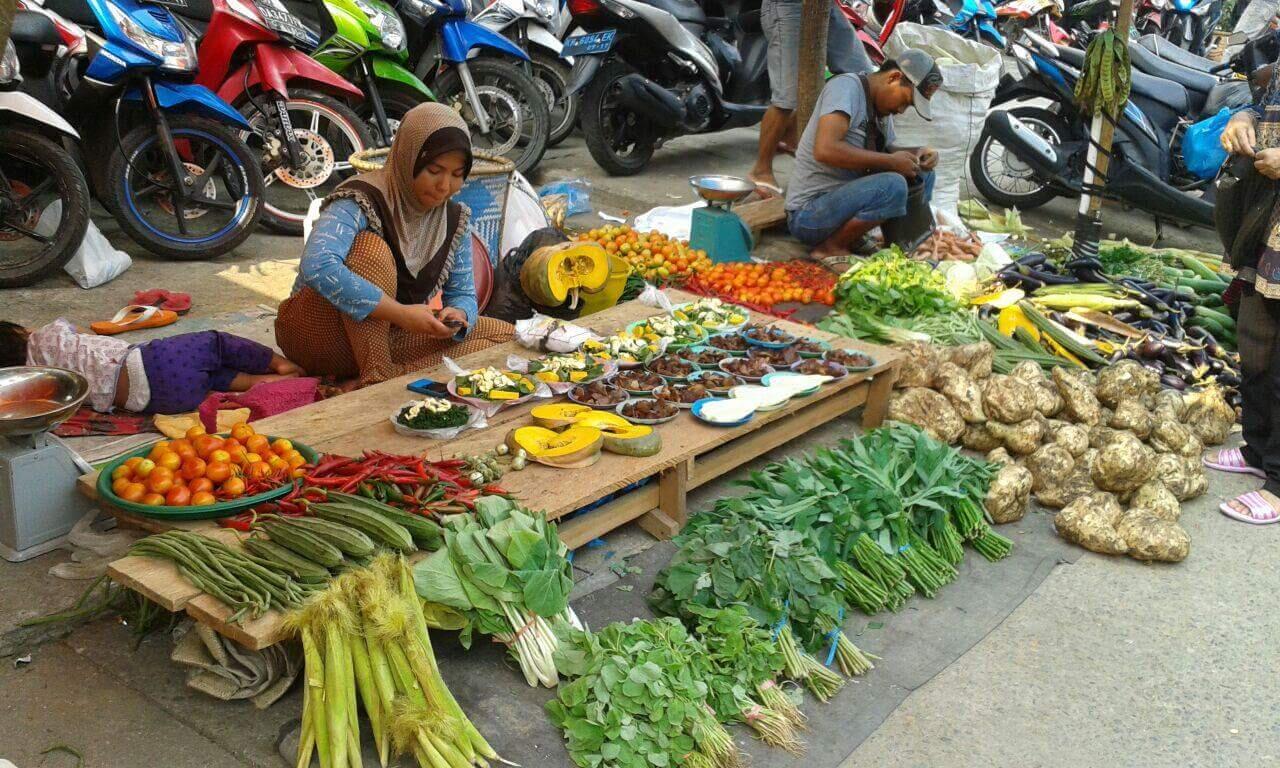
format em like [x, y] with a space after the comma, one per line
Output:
[660, 69]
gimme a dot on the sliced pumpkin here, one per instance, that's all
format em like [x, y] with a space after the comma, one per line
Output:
[556, 415]
[621, 436]
[601, 420]
[574, 447]
[1012, 318]
[556, 273]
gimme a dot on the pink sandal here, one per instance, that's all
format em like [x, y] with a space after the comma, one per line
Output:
[1232, 460]
[1260, 510]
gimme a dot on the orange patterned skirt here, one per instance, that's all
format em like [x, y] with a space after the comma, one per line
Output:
[325, 342]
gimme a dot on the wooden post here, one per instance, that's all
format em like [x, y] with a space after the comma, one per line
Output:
[813, 57]
[7, 8]
[1101, 131]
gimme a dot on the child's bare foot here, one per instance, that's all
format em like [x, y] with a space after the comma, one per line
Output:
[1255, 507]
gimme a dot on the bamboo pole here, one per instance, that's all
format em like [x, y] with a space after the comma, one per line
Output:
[7, 8]
[813, 57]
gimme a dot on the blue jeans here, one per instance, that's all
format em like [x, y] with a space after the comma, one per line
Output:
[876, 197]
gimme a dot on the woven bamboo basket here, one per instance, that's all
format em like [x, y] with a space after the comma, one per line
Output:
[485, 192]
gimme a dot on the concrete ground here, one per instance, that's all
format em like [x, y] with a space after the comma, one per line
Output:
[1108, 662]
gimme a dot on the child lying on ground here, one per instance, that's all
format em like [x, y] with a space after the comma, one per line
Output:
[169, 375]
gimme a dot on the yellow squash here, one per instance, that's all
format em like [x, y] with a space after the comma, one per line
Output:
[574, 447]
[621, 436]
[556, 273]
[556, 415]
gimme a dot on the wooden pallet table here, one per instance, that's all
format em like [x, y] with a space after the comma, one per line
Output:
[693, 454]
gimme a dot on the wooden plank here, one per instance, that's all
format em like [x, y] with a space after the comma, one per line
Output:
[762, 214]
[878, 399]
[672, 513]
[254, 634]
[157, 580]
[589, 526]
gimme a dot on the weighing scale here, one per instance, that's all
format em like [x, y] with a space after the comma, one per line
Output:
[38, 472]
[716, 229]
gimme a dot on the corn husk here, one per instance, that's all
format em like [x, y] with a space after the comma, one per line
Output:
[1090, 521]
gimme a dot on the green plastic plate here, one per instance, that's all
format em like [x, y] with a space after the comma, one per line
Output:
[203, 512]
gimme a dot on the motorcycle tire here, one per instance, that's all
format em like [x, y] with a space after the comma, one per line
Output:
[553, 75]
[57, 165]
[598, 128]
[396, 101]
[510, 79]
[988, 188]
[247, 175]
[285, 205]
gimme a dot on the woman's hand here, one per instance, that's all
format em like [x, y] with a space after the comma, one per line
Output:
[418, 318]
[1267, 163]
[1239, 138]
[450, 315]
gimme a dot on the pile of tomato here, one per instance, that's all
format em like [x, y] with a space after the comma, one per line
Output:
[654, 256]
[201, 469]
[768, 284]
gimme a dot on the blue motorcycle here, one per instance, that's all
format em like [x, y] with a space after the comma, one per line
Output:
[164, 155]
[977, 19]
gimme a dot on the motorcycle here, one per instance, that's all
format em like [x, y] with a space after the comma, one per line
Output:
[36, 171]
[298, 108]
[889, 12]
[657, 70]
[168, 160]
[364, 41]
[977, 19]
[537, 27]
[856, 11]
[1187, 23]
[507, 112]
[1027, 155]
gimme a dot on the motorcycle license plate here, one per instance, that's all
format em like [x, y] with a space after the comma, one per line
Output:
[586, 45]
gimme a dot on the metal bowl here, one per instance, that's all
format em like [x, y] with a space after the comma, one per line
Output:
[721, 189]
[36, 399]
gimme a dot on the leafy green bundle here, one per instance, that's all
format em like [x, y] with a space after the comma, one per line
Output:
[501, 572]
[889, 283]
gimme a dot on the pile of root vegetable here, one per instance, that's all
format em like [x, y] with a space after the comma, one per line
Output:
[1087, 444]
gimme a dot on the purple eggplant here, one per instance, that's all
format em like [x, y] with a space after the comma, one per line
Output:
[1173, 382]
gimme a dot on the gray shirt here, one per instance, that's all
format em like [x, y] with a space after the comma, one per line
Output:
[809, 179]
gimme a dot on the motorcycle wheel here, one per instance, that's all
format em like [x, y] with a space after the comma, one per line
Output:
[329, 133]
[396, 101]
[620, 141]
[139, 189]
[35, 173]
[551, 75]
[1004, 179]
[519, 124]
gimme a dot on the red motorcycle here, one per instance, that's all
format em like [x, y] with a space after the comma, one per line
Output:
[856, 12]
[251, 56]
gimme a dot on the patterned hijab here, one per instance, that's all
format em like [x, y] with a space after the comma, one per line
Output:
[426, 132]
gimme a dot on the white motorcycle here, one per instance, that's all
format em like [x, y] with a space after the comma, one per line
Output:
[37, 173]
[538, 27]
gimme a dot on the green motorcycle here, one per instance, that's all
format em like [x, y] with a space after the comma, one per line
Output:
[364, 41]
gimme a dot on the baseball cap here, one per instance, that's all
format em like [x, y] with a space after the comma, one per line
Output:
[922, 72]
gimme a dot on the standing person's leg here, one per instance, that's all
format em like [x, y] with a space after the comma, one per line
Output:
[835, 222]
[845, 53]
[1260, 385]
[781, 23]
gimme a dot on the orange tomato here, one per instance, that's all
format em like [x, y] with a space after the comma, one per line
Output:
[153, 500]
[239, 456]
[169, 460]
[242, 432]
[202, 499]
[160, 481]
[133, 463]
[200, 484]
[217, 471]
[143, 468]
[196, 431]
[158, 449]
[250, 458]
[119, 484]
[278, 464]
[133, 492]
[259, 469]
[295, 460]
[297, 472]
[218, 456]
[193, 468]
[230, 444]
[123, 471]
[233, 487]
[178, 496]
[255, 443]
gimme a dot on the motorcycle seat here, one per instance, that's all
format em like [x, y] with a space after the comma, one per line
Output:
[77, 11]
[34, 29]
[1146, 61]
[1167, 50]
[685, 11]
[195, 10]
[1172, 95]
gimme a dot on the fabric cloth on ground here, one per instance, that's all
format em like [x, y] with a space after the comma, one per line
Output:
[266, 399]
[1259, 344]
[176, 425]
[810, 178]
[227, 671]
[86, 422]
[324, 341]
[184, 369]
[878, 197]
[780, 20]
[97, 358]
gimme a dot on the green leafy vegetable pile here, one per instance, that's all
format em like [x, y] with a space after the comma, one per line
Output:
[889, 283]
[502, 572]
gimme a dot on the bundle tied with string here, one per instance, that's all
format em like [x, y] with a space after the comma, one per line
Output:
[1101, 91]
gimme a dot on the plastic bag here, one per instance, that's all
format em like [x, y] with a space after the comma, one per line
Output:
[547, 334]
[576, 191]
[671, 220]
[491, 407]
[96, 261]
[1202, 150]
[475, 420]
[653, 296]
[523, 216]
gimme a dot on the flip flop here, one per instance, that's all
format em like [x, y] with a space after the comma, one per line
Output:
[1232, 460]
[773, 190]
[785, 149]
[1260, 510]
[173, 301]
[132, 318]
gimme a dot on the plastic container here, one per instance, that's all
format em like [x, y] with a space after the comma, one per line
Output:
[619, 271]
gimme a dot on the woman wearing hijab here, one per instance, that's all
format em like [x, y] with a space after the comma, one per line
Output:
[385, 243]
